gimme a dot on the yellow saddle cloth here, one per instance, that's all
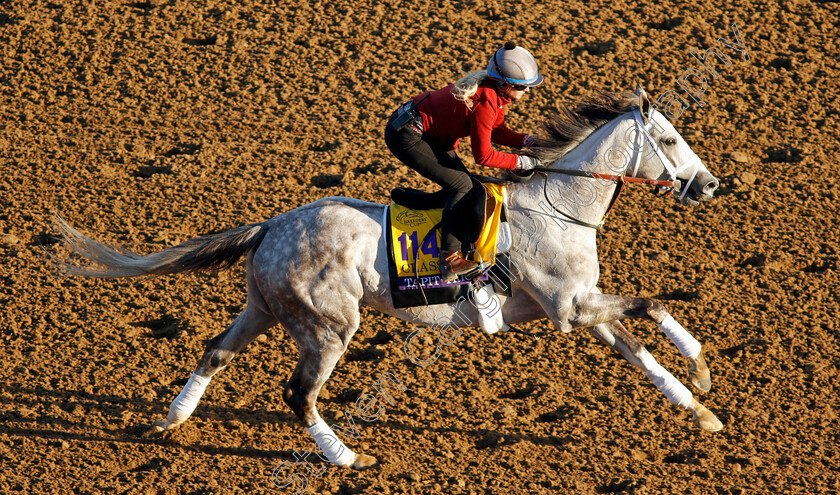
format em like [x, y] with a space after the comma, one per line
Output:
[410, 233]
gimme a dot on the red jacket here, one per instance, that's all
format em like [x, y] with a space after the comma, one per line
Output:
[448, 120]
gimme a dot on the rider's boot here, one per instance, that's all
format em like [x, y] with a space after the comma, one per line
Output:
[452, 264]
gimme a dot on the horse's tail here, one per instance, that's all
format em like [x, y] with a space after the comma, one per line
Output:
[211, 252]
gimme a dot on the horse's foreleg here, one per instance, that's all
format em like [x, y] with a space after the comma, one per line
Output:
[319, 353]
[698, 370]
[218, 352]
[699, 374]
[619, 338]
[593, 309]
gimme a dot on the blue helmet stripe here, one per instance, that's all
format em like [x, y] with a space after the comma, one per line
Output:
[517, 81]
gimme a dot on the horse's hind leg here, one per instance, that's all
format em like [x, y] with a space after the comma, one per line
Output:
[619, 338]
[217, 354]
[320, 350]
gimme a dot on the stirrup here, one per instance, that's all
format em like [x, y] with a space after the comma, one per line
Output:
[454, 264]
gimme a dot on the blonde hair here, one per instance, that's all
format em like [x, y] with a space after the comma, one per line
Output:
[466, 87]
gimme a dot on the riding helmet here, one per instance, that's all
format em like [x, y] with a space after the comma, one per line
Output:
[515, 66]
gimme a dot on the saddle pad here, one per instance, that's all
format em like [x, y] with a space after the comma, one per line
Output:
[485, 245]
[410, 234]
[408, 229]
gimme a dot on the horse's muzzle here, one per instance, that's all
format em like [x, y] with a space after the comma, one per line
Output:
[702, 188]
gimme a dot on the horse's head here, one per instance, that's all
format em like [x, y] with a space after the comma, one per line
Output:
[667, 152]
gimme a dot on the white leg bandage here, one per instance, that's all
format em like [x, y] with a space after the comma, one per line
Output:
[489, 309]
[675, 391]
[184, 405]
[326, 439]
[688, 345]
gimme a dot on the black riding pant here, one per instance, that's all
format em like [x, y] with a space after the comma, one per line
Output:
[431, 159]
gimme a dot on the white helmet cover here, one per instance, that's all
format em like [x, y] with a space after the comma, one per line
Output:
[515, 66]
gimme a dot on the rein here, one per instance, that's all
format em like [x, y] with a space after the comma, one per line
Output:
[610, 177]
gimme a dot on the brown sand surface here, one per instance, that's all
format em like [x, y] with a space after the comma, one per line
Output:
[149, 123]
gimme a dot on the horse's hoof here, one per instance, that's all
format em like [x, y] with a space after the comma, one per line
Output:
[705, 419]
[364, 462]
[701, 381]
[155, 430]
[164, 425]
[699, 375]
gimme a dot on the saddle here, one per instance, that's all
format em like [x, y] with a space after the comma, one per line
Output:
[413, 242]
[477, 204]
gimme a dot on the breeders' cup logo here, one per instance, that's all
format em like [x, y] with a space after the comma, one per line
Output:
[411, 218]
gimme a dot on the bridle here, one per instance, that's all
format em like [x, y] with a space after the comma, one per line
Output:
[665, 186]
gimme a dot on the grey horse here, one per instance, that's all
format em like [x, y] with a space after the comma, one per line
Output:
[311, 268]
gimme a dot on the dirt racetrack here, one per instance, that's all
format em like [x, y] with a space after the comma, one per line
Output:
[148, 123]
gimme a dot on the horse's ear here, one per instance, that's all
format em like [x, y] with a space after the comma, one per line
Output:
[644, 102]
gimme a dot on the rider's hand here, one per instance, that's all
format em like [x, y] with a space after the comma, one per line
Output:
[528, 141]
[526, 162]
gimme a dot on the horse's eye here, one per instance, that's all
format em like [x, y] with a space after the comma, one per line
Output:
[670, 142]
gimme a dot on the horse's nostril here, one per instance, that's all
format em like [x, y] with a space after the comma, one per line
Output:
[711, 187]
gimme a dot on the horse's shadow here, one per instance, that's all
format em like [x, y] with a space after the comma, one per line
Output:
[19, 419]
[483, 438]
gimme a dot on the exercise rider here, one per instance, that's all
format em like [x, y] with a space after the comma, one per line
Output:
[424, 134]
